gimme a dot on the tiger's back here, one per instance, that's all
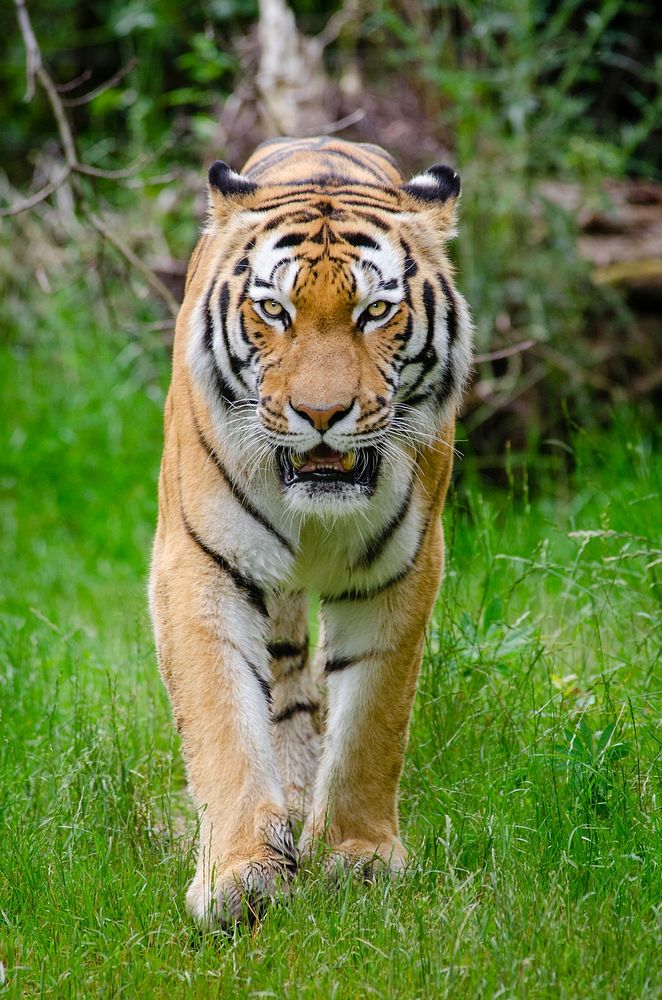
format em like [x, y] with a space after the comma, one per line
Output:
[319, 357]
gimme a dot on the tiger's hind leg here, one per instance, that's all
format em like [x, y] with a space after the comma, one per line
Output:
[297, 692]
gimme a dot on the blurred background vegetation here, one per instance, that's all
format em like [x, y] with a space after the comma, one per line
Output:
[550, 111]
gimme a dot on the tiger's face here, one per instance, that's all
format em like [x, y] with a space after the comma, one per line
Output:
[327, 321]
[333, 334]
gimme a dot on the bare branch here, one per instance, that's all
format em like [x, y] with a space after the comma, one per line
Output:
[348, 12]
[155, 283]
[41, 195]
[35, 67]
[76, 102]
[337, 126]
[112, 175]
[506, 352]
[65, 88]
[32, 52]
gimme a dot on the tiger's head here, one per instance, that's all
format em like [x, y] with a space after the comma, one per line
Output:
[330, 337]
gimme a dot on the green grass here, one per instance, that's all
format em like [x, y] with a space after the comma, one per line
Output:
[531, 796]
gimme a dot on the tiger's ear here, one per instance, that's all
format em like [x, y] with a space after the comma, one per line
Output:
[437, 189]
[227, 187]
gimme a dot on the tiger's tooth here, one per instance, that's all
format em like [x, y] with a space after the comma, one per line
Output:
[348, 460]
[297, 461]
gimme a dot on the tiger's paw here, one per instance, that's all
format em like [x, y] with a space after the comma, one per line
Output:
[240, 891]
[365, 860]
[239, 894]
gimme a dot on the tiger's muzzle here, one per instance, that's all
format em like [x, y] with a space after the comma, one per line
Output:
[324, 470]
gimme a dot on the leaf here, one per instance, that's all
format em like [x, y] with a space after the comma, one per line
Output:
[587, 736]
[617, 751]
[493, 612]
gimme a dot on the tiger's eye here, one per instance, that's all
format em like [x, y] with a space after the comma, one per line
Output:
[272, 308]
[376, 310]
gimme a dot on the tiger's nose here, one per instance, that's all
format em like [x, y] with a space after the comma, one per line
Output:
[321, 417]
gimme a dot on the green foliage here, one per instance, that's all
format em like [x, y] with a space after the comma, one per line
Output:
[523, 79]
[516, 85]
[587, 761]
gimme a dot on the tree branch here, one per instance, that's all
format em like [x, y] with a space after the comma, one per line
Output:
[76, 102]
[66, 88]
[506, 352]
[35, 68]
[41, 195]
[135, 261]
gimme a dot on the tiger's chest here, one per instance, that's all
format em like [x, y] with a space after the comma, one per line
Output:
[358, 555]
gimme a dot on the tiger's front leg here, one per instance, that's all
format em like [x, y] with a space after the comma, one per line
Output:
[212, 650]
[297, 692]
[373, 656]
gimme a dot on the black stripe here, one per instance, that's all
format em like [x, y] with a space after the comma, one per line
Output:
[289, 196]
[281, 846]
[368, 203]
[427, 356]
[279, 220]
[369, 168]
[243, 583]
[291, 240]
[327, 234]
[252, 349]
[223, 387]
[236, 363]
[375, 548]
[353, 189]
[271, 160]
[266, 690]
[281, 649]
[374, 220]
[368, 264]
[286, 200]
[411, 267]
[429, 303]
[296, 709]
[279, 263]
[302, 197]
[360, 240]
[359, 594]
[341, 663]
[243, 264]
[451, 314]
[446, 382]
[404, 337]
[236, 490]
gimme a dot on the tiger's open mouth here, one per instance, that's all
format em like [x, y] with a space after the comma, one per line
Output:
[325, 467]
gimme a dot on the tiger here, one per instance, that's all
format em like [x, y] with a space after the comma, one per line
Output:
[319, 360]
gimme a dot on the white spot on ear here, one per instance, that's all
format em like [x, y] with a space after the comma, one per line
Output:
[438, 183]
